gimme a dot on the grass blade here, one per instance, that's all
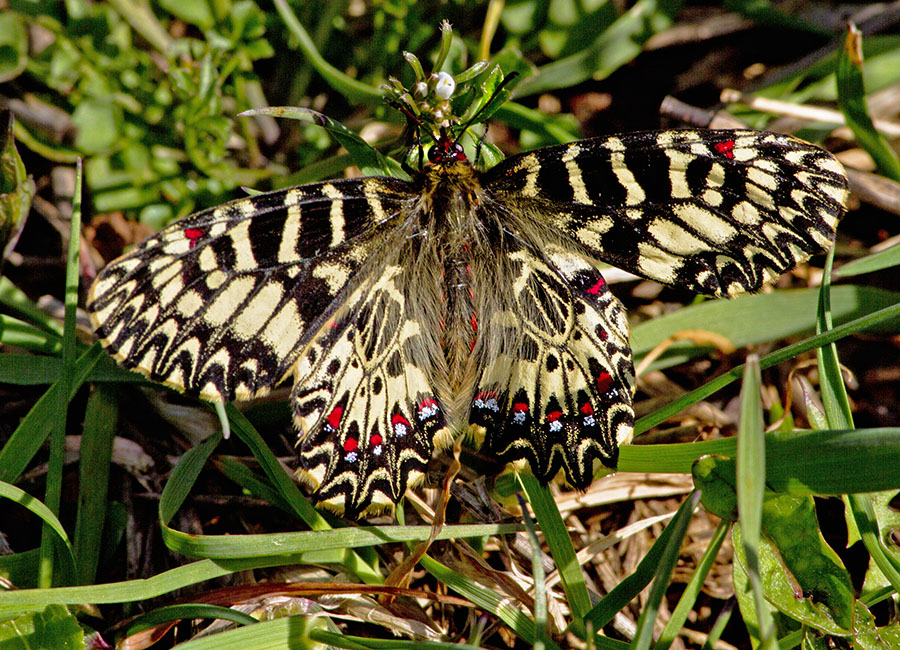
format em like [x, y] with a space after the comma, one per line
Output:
[774, 358]
[34, 428]
[560, 545]
[66, 378]
[100, 418]
[345, 85]
[692, 590]
[667, 561]
[852, 101]
[537, 568]
[622, 594]
[751, 480]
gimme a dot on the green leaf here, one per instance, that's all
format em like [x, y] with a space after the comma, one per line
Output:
[888, 521]
[867, 522]
[612, 48]
[13, 46]
[196, 12]
[884, 259]
[16, 186]
[370, 161]
[780, 591]
[871, 637]
[715, 477]
[792, 525]
[852, 101]
[52, 629]
[98, 123]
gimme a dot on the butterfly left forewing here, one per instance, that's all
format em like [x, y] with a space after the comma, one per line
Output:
[717, 212]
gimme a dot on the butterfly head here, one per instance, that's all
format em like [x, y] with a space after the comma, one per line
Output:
[446, 150]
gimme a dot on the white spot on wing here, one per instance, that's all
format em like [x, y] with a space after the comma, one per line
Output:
[579, 191]
[676, 239]
[287, 247]
[336, 213]
[226, 303]
[255, 313]
[712, 226]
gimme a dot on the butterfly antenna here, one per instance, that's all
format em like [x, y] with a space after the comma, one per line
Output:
[412, 118]
[478, 147]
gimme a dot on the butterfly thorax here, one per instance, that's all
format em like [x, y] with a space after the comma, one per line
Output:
[451, 209]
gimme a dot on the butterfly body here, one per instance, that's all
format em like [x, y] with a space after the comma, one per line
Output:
[460, 302]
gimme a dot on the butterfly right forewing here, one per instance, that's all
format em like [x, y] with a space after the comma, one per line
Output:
[717, 212]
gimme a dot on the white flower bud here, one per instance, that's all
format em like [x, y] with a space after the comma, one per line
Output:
[421, 89]
[444, 86]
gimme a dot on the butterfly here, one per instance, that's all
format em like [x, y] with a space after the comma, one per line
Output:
[407, 312]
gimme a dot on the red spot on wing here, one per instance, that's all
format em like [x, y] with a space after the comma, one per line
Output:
[194, 235]
[587, 409]
[725, 148]
[554, 415]
[350, 444]
[399, 419]
[604, 381]
[520, 407]
[597, 287]
[334, 419]
[376, 440]
[427, 402]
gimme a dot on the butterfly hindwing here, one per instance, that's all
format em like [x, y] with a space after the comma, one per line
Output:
[563, 398]
[220, 303]
[366, 410]
[717, 212]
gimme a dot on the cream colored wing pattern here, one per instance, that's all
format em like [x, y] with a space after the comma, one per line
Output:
[717, 212]
[220, 303]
